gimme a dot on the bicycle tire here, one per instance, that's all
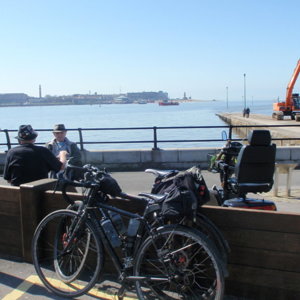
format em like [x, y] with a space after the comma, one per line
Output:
[212, 232]
[60, 262]
[68, 275]
[186, 258]
[207, 227]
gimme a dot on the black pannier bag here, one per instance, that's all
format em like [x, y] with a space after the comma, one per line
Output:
[109, 185]
[186, 191]
[164, 184]
[179, 203]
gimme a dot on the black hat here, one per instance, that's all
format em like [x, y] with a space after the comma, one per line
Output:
[59, 128]
[26, 133]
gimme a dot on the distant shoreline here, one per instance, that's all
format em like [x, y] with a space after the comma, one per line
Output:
[99, 104]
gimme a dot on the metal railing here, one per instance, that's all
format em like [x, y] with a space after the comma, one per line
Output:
[154, 141]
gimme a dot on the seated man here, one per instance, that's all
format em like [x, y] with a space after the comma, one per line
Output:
[61, 144]
[28, 162]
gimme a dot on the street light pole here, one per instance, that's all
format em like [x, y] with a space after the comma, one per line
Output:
[244, 90]
[227, 96]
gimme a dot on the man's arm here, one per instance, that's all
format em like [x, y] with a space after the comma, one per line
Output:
[6, 171]
[54, 164]
[75, 156]
[49, 146]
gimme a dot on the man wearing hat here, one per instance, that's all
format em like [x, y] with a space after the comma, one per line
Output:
[28, 162]
[61, 143]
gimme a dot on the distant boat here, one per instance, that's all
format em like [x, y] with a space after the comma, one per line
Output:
[142, 102]
[166, 102]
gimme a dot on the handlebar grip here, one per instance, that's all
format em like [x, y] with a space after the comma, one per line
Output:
[222, 165]
[225, 167]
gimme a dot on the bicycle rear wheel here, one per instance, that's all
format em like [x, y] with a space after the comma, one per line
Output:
[209, 229]
[178, 263]
[67, 253]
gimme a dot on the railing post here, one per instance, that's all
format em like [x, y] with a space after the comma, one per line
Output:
[7, 139]
[80, 139]
[230, 132]
[154, 138]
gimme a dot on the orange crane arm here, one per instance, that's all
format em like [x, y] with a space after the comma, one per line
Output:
[289, 89]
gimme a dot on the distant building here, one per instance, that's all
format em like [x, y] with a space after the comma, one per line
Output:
[149, 96]
[13, 99]
[23, 99]
[122, 99]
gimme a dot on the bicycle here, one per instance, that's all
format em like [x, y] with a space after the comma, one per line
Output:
[164, 182]
[166, 262]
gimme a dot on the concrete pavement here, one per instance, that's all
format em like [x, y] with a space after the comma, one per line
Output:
[19, 281]
[136, 182]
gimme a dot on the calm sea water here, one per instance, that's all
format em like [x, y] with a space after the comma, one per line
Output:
[128, 115]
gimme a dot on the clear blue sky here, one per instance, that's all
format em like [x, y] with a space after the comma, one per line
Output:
[195, 46]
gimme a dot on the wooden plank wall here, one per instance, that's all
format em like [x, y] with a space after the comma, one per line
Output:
[265, 252]
[264, 262]
[10, 223]
[54, 201]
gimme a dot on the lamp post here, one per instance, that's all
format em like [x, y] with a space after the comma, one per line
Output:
[227, 96]
[244, 90]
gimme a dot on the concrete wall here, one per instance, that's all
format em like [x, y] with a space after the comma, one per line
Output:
[143, 159]
[136, 160]
[121, 160]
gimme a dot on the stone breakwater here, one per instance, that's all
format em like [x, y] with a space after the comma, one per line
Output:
[236, 119]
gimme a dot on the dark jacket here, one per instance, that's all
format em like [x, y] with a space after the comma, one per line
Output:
[74, 153]
[28, 162]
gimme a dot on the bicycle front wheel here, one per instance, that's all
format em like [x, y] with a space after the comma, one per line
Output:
[67, 253]
[178, 263]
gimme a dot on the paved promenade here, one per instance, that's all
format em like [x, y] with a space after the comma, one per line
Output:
[135, 182]
[19, 281]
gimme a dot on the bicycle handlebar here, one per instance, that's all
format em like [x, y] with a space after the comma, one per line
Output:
[130, 197]
[92, 177]
[65, 182]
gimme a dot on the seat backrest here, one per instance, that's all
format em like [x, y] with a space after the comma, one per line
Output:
[255, 165]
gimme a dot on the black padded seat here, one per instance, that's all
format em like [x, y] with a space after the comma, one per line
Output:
[255, 165]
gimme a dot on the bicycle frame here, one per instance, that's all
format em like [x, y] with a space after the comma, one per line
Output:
[99, 212]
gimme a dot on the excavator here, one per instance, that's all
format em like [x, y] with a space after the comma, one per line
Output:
[291, 106]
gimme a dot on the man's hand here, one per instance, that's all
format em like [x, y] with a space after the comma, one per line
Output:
[63, 157]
